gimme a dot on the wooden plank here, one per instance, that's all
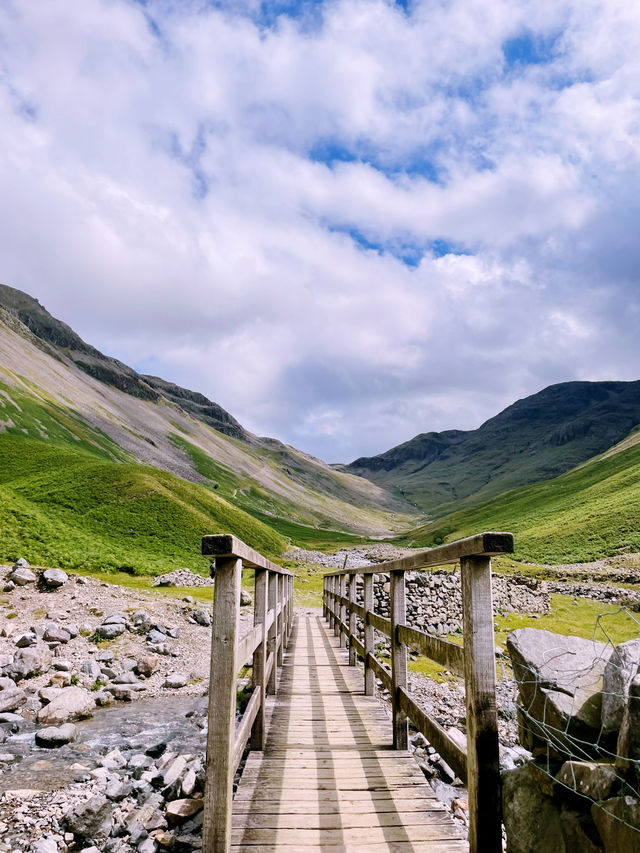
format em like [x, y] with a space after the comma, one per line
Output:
[227, 546]
[325, 838]
[483, 769]
[482, 544]
[380, 623]
[435, 734]
[441, 651]
[216, 831]
[448, 846]
[243, 732]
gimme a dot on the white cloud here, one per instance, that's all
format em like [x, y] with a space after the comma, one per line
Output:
[169, 197]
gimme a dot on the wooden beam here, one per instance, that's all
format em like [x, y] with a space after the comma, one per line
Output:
[441, 651]
[483, 768]
[243, 732]
[225, 545]
[482, 544]
[369, 675]
[380, 623]
[398, 610]
[272, 636]
[216, 830]
[352, 620]
[260, 656]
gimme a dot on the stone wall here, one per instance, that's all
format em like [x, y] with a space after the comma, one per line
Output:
[434, 599]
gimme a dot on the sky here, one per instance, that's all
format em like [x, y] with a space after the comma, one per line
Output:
[345, 221]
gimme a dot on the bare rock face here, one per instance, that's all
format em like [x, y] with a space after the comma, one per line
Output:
[71, 703]
[619, 672]
[560, 681]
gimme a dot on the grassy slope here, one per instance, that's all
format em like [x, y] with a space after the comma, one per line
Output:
[70, 508]
[588, 513]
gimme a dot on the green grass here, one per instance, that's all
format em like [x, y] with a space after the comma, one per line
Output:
[586, 514]
[69, 508]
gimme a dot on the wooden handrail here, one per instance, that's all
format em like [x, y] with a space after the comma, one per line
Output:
[478, 766]
[264, 645]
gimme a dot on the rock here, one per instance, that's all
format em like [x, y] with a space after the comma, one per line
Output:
[245, 598]
[62, 665]
[599, 781]
[175, 680]
[56, 634]
[117, 618]
[54, 578]
[92, 669]
[560, 683]
[125, 678]
[91, 820]
[31, 661]
[202, 617]
[9, 586]
[105, 656]
[45, 845]
[525, 811]
[147, 846]
[155, 636]
[23, 641]
[53, 736]
[156, 749]
[7, 758]
[111, 631]
[22, 576]
[72, 703]
[579, 831]
[618, 822]
[174, 771]
[117, 790]
[189, 783]
[628, 745]
[122, 692]
[146, 666]
[178, 811]
[621, 668]
[12, 697]
[20, 563]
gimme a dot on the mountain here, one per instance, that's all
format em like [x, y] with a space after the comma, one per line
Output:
[152, 435]
[592, 511]
[535, 439]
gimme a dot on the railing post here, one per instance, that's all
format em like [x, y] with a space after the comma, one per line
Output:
[483, 768]
[272, 635]
[336, 606]
[324, 597]
[216, 830]
[397, 609]
[280, 655]
[290, 610]
[367, 600]
[344, 637]
[260, 656]
[352, 619]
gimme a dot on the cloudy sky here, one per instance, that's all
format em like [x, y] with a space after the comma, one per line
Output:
[346, 221]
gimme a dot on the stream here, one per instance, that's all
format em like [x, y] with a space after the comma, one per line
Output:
[121, 726]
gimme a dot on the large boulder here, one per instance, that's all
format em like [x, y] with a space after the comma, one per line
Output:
[29, 661]
[525, 809]
[618, 822]
[22, 575]
[620, 670]
[560, 682]
[71, 703]
[54, 736]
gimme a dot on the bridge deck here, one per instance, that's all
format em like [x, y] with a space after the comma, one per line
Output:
[328, 778]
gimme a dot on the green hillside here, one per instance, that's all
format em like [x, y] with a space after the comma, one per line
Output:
[71, 508]
[588, 513]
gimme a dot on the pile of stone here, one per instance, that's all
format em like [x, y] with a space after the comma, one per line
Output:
[181, 577]
[147, 800]
[579, 714]
[434, 599]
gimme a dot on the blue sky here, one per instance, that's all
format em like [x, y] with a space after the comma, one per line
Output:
[347, 222]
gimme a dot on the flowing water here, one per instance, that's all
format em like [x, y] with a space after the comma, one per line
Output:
[119, 726]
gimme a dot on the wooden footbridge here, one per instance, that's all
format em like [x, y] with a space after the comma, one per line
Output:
[327, 768]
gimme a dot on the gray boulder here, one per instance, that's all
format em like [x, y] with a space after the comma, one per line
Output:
[155, 636]
[621, 668]
[54, 633]
[92, 669]
[45, 845]
[112, 630]
[12, 697]
[71, 703]
[22, 576]
[560, 682]
[245, 598]
[175, 680]
[618, 822]
[54, 578]
[525, 810]
[116, 619]
[23, 641]
[91, 820]
[31, 661]
[54, 736]
[202, 617]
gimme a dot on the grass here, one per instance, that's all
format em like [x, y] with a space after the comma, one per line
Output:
[592, 620]
[586, 514]
[69, 508]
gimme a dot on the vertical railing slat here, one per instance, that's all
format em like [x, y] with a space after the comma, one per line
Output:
[397, 608]
[369, 674]
[483, 769]
[273, 631]
[260, 656]
[352, 619]
[216, 830]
